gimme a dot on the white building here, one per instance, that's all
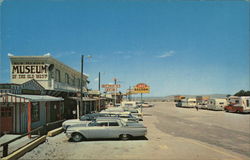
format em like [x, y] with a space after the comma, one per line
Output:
[47, 71]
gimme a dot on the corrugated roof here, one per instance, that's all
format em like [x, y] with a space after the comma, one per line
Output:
[83, 98]
[37, 98]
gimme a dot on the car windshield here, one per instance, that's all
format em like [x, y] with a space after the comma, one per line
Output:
[84, 118]
[134, 111]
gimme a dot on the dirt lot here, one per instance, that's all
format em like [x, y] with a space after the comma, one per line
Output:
[173, 133]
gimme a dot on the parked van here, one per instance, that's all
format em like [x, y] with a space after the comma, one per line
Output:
[233, 100]
[188, 103]
[216, 104]
[243, 105]
[132, 104]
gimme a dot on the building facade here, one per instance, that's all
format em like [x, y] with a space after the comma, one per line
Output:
[47, 71]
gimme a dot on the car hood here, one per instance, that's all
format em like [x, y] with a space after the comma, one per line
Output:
[71, 121]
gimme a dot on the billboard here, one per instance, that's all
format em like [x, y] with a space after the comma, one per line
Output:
[111, 87]
[141, 88]
[29, 71]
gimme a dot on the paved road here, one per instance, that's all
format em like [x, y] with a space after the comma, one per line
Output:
[173, 133]
[227, 130]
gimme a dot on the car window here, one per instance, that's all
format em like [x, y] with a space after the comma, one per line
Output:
[134, 111]
[113, 124]
[84, 118]
[124, 116]
[92, 124]
[102, 123]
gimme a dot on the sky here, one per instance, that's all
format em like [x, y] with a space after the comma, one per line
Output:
[176, 47]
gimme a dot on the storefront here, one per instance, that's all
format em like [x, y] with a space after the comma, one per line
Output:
[20, 113]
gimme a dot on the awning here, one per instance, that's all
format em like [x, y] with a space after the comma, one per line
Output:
[30, 98]
[83, 98]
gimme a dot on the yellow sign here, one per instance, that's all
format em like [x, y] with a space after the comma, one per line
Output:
[141, 88]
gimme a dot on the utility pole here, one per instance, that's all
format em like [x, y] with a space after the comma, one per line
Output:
[129, 93]
[81, 85]
[115, 90]
[99, 81]
[99, 88]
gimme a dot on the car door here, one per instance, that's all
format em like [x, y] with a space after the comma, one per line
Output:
[96, 130]
[114, 129]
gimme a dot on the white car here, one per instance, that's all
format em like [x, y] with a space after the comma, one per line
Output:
[106, 128]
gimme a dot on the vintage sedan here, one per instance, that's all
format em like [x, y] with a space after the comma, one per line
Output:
[83, 119]
[106, 128]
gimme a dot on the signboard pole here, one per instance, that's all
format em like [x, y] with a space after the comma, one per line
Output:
[141, 103]
[115, 91]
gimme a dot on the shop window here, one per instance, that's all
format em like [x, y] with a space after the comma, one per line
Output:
[58, 76]
[66, 78]
[35, 112]
[6, 112]
[73, 81]
[78, 82]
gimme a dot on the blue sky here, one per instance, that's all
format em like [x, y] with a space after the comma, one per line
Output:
[176, 47]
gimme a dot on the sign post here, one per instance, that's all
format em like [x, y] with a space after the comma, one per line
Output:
[111, 88]
[141, 88]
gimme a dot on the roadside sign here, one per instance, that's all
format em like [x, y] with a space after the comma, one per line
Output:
[141, 88]
[110, 89]
[111, 86]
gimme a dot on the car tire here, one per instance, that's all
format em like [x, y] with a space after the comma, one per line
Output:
[77, 137]
[125, 137]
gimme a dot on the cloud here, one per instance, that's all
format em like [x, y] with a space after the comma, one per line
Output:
[63, 54]
[127, 54]
[96, 79]
[167, 54]
[119, 52]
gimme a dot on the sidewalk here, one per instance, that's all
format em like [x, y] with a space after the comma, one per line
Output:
[16, 144]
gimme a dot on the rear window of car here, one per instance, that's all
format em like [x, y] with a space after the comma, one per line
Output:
[134, 111]
[113, 124]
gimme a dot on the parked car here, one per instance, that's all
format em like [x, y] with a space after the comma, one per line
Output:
[105, 128]
[135, 112]
[146, 105]
[83, 119]
[126, 116]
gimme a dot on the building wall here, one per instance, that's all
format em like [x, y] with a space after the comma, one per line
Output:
[42, 120]
[50, 73]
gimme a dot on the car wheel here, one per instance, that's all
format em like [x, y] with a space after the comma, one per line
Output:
[124, 137]
[76, 137]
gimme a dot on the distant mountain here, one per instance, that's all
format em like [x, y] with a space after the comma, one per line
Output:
[205, 95]
[171, 97]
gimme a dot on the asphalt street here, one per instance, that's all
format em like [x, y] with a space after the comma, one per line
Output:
[173, 133]
[211, 127]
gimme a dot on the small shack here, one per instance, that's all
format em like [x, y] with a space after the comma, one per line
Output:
[20, 113]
